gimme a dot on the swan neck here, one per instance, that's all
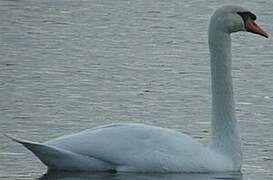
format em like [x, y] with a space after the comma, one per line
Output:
[224, 133]
[221, 77]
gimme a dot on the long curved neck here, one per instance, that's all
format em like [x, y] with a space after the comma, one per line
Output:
[224, 133]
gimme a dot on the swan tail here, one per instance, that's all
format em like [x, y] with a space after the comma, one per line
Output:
[60, 159]
[48, 155]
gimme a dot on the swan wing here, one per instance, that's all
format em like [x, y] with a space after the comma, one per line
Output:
[136, 147]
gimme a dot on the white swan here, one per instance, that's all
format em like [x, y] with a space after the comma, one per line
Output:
[142, 148]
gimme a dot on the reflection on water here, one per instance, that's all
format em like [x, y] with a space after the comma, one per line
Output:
[139, 176]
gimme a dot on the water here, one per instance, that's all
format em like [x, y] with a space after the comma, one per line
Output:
[71, 65]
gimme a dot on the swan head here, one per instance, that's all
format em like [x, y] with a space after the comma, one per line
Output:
[232, 19]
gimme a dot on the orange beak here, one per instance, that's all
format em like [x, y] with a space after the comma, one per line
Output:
[251, 26]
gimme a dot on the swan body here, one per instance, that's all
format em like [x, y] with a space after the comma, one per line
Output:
[143, 148]
[129, 148]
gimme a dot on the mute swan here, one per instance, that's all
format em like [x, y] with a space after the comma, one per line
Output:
[143, 148]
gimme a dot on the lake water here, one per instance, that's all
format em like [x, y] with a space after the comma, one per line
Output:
[71, 65]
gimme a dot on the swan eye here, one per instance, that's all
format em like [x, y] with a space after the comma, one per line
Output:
[246, 15]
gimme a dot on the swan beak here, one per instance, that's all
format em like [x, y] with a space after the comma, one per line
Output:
[251, 26]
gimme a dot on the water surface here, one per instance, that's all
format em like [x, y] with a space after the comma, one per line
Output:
[71, 65]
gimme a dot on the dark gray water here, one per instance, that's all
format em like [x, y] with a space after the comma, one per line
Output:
[71, 65]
